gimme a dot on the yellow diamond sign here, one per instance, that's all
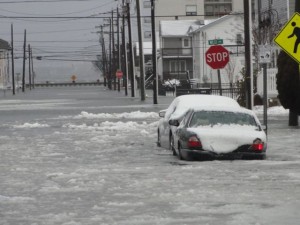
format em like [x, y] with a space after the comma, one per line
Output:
[289, 37]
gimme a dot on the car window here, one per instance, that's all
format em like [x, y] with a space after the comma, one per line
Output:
[200, 119]
[211, 118]
[170, 109]
[186, 118]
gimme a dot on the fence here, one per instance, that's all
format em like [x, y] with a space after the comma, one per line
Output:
[271, 82]
[228, 92]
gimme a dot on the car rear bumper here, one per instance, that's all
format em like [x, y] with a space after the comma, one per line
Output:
[208, 155]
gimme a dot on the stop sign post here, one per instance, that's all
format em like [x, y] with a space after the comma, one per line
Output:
[217, 57]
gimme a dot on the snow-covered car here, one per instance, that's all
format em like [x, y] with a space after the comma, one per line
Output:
[179, 106]
[218, 132]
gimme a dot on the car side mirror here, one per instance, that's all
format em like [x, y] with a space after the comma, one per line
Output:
[264, 127]
[162, 113]
[174, 123]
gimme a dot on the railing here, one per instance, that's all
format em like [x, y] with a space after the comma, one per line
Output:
[177, 52]
[179, 75]
[228, 92]
[66, 84]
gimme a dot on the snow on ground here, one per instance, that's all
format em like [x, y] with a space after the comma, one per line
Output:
[272, 111]
[84, 167]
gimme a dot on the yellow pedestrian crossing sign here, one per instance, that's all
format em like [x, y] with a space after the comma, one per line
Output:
[289, 37]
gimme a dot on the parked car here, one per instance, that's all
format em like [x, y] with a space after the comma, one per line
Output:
[179, 107]
[218, 133]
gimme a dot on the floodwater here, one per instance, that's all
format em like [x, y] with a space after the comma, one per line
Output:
[87, 156]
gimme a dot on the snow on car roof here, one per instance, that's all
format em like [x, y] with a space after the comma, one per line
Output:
[185, 102]
[206, 100]
[223, 108]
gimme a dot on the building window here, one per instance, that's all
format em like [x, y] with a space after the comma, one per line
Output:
[177, 66]
[217, 7]
[239, 39]
[147, 4]
[147, 34]
[186, 43]
[147, 19]
[191, 10]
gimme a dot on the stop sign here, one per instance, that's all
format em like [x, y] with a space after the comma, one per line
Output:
[119, 74]
[217, 57]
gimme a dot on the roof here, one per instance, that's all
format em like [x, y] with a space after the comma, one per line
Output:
[212, 23]
[178, 27]
[4, 44]
[147, 45]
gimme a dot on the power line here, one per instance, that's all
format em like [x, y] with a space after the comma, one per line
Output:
[98, 17]
[41, 1]
[96, 7]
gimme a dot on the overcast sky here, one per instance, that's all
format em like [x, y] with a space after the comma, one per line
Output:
[57, 38]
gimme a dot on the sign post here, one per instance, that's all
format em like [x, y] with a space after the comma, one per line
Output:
[217, 57]
[264, 58]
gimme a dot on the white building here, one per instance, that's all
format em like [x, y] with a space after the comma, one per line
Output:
[4, 76]
[196, 9]
[229, 30]
[186, 10]
[176, 48]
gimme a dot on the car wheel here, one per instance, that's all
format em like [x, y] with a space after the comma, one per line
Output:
[171, 144]
[158, 143]
[179, 153]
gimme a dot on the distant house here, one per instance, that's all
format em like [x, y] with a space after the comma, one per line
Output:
[147, 50]
[227, 31]
[4, 76]
[176, 53]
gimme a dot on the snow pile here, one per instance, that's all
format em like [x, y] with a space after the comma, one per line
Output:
[130, 115]
[31, 125]
[122, 127]
[15, 199]
[272, 111]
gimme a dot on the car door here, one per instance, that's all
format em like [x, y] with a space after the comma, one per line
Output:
[164, 128]
[181, 129]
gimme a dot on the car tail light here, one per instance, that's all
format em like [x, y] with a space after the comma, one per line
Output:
[258, 145]
[194, 142]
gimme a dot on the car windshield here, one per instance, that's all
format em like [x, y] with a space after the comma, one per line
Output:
[211, 118]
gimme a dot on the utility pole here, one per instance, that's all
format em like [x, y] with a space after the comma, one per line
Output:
[131, 70]
[12, 60]
[29, 66]
[104, 60]
[264, 66]
[119, 46]
[110, 57]
[125, 76]
[248, 55]
[113, 51]
[141, 52]
[33, 73]
[154, 52]
[297, 6]
[24, 59]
